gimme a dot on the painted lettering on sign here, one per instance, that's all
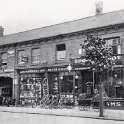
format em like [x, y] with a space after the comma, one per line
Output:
[113, 104]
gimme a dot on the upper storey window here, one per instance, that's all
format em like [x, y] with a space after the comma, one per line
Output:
[22, 58]
[4, 58]
[60, 52]
[115, 43]
[35, 55]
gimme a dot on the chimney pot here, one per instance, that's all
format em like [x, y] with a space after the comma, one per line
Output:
[99, 7]
[1, 31]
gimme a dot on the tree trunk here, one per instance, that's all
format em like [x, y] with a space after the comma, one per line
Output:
[101, 104]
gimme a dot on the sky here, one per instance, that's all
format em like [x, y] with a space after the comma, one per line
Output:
[21, 15]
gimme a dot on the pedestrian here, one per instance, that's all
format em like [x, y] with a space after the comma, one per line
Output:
[1, 99]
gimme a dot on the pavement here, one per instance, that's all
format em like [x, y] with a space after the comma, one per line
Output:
[23, 118]
[116, 115]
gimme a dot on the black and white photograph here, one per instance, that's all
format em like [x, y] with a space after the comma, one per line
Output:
[61, 62]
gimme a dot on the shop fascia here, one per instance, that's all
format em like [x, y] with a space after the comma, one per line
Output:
[52, 69]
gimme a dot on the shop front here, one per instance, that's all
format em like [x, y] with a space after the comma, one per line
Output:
[112, 80]
[30, 86]
[6, 87]
[56, 86]
[113, 87]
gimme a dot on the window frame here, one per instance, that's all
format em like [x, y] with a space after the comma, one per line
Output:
[61, 59]
[115, 45]
[6, 57]
[19, 57]
[39, 58]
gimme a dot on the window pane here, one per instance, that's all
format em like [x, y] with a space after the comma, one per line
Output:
[21, 54]
[61, 55]
[4, 57]
[61, 52]
[109, 42]
[115, 44]
[36, 55]
[119, 49]
[115, 49]
[116, 41]
[35, 51]
[61, 47]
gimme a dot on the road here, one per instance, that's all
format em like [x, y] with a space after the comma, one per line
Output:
[22, 118]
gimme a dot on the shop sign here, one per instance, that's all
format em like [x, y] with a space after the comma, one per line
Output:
[45, 88]
[32, 71]
[56, 69]
[82, 68]
[117, 103]
[65, 69]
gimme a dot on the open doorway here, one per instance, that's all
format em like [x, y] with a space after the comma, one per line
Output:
[6, 86]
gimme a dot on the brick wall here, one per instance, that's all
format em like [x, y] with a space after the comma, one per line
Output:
[48, 48]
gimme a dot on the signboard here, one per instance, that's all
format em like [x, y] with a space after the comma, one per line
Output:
[45, 98]
[32, 71]
[57, 69]
[45, 87]
[114, 104]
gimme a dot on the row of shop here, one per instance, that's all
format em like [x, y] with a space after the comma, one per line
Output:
[69, 87]
[63, 86]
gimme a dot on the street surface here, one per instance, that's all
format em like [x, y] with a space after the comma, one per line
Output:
[22, 118]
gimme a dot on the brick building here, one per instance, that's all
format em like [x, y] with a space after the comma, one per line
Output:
[51, 54]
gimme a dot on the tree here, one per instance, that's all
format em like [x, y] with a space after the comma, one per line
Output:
[98, 57]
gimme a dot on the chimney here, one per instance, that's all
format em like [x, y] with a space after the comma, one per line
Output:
[1, 31]
[99, 7]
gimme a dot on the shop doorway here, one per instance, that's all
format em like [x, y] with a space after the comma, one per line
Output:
[67, 84]
[6, 86]
[87, 83]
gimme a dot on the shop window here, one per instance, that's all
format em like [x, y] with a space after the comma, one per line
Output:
[60, 52]
[54, 84]
[22, 58]
[30, 88]
[114, 85]
[35, 56]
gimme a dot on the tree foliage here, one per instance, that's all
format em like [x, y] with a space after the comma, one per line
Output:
[96, 54]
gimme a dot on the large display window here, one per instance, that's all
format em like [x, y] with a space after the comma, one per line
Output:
[53, 83]
[114, 85]
[30, 88]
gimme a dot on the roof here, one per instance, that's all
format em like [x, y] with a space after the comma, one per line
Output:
[97, 21]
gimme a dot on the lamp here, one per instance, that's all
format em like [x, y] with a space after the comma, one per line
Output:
[115, 75]
[61, 77]
[76, 76]
[69, 67]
